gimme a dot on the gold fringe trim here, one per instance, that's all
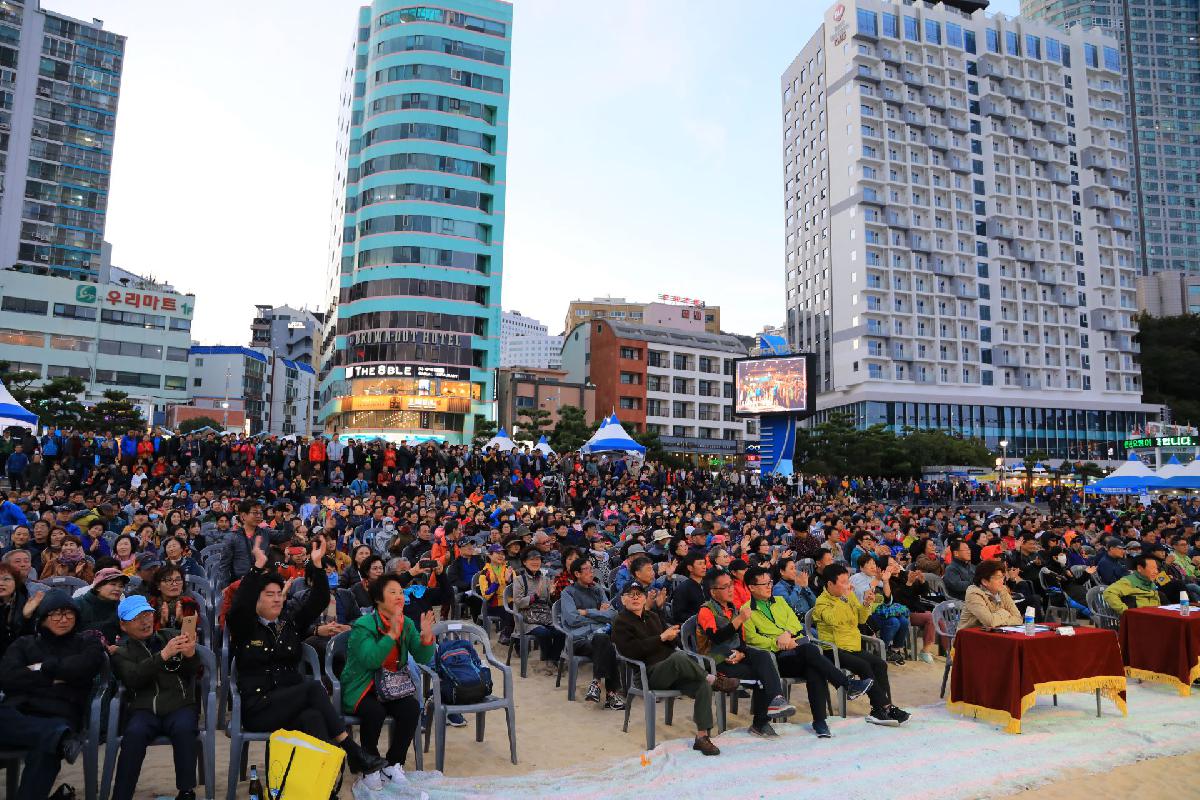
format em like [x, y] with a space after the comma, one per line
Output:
[1110, 686]
[1184, 689]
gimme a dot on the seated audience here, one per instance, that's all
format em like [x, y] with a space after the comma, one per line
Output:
[531, 599]
[587, 616]
[989, 604]
[1137, 589]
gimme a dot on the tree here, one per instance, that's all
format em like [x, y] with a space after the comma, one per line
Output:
[485, 428]
[196, 423]
[1029, 462]
[115, 414]
[57, 403]
[534, 421]
[837, 447]
[1170, 361]
[18, 382]
[571, 430]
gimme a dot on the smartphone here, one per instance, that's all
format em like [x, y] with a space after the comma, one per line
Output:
[427, 563]
[187, 625]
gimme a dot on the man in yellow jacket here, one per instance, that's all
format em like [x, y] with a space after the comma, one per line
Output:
[773, 626]
[837, 615]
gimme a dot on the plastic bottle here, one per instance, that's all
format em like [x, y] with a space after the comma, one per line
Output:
[256, 789]
[1185, 604]
[1029, 620]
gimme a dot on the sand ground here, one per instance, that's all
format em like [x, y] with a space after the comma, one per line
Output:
[553, 734]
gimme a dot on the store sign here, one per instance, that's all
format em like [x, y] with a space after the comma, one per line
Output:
[1161, 441]
[695, 444]
[403, 402]
[87, 294]
[408, 337]
[294, 326]
[687, 301]
[407, 371]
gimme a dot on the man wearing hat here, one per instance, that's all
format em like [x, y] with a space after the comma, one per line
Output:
[98, 608]
[147, 563]
[46, 678]
[158, 671]
[1111, 564]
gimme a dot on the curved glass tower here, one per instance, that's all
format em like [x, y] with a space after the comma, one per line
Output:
[413, 336]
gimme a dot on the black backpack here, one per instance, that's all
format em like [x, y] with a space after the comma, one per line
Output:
[465, 680]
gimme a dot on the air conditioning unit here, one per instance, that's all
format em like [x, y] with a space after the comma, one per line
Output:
[43, 258]
[44, 91]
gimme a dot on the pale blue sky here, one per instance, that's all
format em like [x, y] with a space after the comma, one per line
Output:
[644, 150]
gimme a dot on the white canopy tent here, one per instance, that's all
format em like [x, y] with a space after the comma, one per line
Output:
[612, 438]
[13, 413]
[501, 441]
[544, 447]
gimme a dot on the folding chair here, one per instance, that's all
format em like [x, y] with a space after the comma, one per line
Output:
[726, 704]
[1102, 615]
[945, 622]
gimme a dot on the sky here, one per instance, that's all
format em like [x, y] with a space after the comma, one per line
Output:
[644, 151]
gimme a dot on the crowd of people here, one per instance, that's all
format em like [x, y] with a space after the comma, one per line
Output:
[134, 550]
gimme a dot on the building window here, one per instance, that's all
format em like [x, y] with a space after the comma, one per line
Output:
[175, 382]
[524, 402]
[134, 319]
[630, 403]
[631, 378]
[71, 311]
[23, 305]
[631, 353]
[22, 338]
[177, 354]
[112, 377]
[196, 381]
[56, 371]
[78, 343]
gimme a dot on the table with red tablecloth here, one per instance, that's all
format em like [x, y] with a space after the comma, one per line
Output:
[1161, 645]
[997, 676]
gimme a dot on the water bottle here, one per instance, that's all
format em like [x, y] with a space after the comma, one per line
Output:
[1185, 606]
[1029, 620]
[256, 789]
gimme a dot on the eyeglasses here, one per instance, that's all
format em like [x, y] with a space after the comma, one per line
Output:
[174, 579]
[61, 613]
[722, 588]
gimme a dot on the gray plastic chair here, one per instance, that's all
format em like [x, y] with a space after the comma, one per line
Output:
[68, 583]
[335, 651]
[868, 643]
[206, 763]
[1102, 615]
[690, 645]
[440, 709]
[202, 589]
[637, 684]
[568, 656]
[945, 622]
[521, 639]
[239, 737]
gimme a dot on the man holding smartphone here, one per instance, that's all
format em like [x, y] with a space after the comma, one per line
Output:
[158, 671]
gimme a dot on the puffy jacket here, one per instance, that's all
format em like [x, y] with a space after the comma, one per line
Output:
[1131, 591]
[367, 650]
[837, 620]
[767, 620]
[75, 659]
[151, 683]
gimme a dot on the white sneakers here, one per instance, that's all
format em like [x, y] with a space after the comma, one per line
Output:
[394, 780]
[373, 781]
[395, 775]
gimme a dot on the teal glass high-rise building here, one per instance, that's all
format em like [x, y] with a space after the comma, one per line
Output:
[413, 340]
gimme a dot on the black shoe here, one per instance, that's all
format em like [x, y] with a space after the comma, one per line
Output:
[359, 761]
[858, 687]
[896, 656]
[765, 731]
[186, 794]
[821, 729]
[901, 716]
[69, 747]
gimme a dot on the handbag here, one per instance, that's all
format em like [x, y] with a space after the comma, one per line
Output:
[538, 614]
[394, 684]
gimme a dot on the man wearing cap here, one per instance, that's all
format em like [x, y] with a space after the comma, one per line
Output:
[147, 564]
[98, 608]
[1110, 566]
[46, 678]
[158, 671]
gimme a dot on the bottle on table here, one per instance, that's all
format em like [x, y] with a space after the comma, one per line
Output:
[1185, 603]
[256, 789]
[1029, 619]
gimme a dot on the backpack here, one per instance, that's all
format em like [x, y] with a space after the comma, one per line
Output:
[465, 680]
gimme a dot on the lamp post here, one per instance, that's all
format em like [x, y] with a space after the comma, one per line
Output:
[1003, 459]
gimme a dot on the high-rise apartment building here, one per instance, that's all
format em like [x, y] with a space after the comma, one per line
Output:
[959, 234]
[293, 334]
[419, 222]
[525, 342]
[1159, 42]
[59, 83]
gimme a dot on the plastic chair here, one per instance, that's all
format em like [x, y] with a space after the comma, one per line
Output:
[637, 684]
[335, 653]
[202, 588]
[868, 643]
[1056, 598]
[521, 638]
[945, 622]
[568, 654]
[687, 640]
[206, 764]
[441, 709]
[1102, 615]
[68, 583]
[239, 737]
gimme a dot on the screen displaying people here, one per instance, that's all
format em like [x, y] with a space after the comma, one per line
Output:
[772, 386]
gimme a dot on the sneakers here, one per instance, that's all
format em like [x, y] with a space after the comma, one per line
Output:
[395, 776]
[926, 658]
[456, 720]
[764, 731]
[359, 761]
[821, 729]
[882, 716]
[899, 715]
[504, 640]
[858, 687]
[780, 708]
[705, 746]
[593, 693]
[615, 701]
[895, 656]
[724, 683]
[373, 782]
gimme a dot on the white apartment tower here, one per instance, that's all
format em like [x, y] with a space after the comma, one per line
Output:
[959, 236]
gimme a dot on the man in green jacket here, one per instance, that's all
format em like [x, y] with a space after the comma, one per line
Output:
[158, 671]
[1138, 589]
[773, 626]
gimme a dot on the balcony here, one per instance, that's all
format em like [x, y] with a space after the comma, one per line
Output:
[1056, 136]
[991, 108]
[867, 74]
[996, 229]
[1096, 198]
[900, 354]
[1017, 130]
[933, 99]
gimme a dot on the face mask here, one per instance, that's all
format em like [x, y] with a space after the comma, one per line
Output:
[1061, 558]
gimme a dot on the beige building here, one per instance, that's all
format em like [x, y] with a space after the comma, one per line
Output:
[518, 388]
[1169, 294]
[667, 311]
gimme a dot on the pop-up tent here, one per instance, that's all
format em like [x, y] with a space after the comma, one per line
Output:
[612, 438]
[1132, 477]
[1180, 477]
[12, 413]
[544, 446]
[501, 441]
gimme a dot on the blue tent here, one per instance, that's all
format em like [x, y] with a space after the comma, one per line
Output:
[11, 412]
[611, 438]
[1127, 484]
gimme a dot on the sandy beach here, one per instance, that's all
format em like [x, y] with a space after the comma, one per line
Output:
[553, 735]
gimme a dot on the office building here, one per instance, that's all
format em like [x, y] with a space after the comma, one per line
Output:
[293, 334]
[525, 342]
[669, 311]
[60, 79]
[1159, 44]
[1169, 293]
[959, 249]
[416, 267]
[126, 332]
[678, 384]
[271, 392]
[521, 388]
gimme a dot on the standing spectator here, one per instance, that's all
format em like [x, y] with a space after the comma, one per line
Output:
[46, 678]
[587, 615]
[15, 466]
[158, 668]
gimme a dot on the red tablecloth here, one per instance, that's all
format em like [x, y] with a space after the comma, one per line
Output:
[998, 676]
[1161, 646]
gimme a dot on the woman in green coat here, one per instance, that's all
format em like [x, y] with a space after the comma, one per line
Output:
[378, 650]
